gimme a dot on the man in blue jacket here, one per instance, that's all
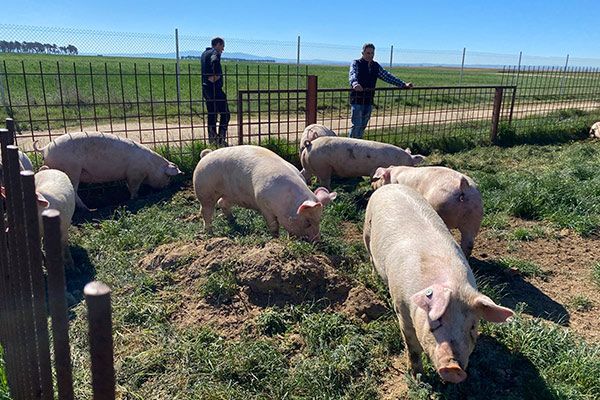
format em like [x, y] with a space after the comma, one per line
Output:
[212, 91]
[364, 73]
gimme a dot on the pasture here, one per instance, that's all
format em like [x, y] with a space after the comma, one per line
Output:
[240, 315]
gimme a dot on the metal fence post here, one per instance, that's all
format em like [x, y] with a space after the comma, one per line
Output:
[496, 113]
[391, 55]
[562, 79]
[462, 66]
[57, 303]
[240, 118]
[298, 52]
[177, 64]
[97, 298]
[311, 99]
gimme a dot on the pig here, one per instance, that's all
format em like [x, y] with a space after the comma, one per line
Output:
[54, 190]
[348, 157]
[454, 196]
[311, 132]
[595, 130]
[256, 178]
[431, 285]
[24, 165]
[96, 157]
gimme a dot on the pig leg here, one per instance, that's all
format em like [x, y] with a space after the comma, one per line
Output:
[134, 181]
[225, 205]
[413, 347]
[74, 176]
[208, 210]
[272, 224]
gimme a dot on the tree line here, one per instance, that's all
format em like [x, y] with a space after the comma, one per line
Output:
[36, 47]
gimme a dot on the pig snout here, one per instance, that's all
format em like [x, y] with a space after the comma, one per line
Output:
[452, 373]
[449, 368]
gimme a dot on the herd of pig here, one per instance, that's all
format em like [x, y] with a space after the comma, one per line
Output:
[406, 227]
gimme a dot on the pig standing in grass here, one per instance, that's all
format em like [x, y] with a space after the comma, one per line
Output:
[347, 157]
[54, 190]
[95, 157]
[595, 130]
[311, 132]
[256, 178]
[453, 195]
[431, 285]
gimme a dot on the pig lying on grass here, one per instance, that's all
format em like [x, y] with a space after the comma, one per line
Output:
[95, 157]
[256, 178]
[347, 157]
[430, 282]
[452, 195]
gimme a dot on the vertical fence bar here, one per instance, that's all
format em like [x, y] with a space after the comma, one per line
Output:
[93, 96]
[137, 98]
[26, 367]
[77, 95]
[97, 297]
[391, 56]
[496, 113]
[25, 86]
[34, 261]
[240, 118]
[177, 64]
[298, 52]
[311, 99]
[123, 99]
[462, 65]
[57, 303]
[45, 101]
[62, 101]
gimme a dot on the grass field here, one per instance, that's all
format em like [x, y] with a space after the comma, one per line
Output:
[49, 92]
[186, 325]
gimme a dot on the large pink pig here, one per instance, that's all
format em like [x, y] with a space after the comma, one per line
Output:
[453, 195]
[348, 157]
[97, 157]
[256, 178]
[432, 287]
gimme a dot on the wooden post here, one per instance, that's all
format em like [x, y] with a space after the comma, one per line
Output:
[97, 297]
[496, 113]
[311, 99]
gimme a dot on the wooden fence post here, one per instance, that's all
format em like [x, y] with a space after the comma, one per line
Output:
[97, 297]
[496, 113]
[311, 99]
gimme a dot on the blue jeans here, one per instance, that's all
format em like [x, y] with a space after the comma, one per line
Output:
[361, 113]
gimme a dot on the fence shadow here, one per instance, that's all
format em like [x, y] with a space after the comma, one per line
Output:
[80, 274]
[518, 290]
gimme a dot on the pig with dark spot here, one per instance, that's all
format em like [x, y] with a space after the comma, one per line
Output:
[256, 178]
[348, 157]
[432, 287]
[96, 157]
[454, 196]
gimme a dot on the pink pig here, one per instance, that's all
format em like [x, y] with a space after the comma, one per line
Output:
[453, 195]
[430, 282]
[256, 178]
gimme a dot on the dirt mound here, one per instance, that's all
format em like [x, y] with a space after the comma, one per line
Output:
[266, 275]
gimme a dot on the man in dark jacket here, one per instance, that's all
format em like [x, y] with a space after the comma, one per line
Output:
[212, 91]
[363, 77]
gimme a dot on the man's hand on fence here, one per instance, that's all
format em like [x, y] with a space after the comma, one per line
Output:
[408, 85]
[358, 87]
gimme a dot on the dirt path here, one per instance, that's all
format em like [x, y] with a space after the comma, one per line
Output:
[162, 132]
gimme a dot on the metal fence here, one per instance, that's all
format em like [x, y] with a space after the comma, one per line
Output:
[24, 333]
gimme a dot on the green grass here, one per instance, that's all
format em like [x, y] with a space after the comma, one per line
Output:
[525, 268]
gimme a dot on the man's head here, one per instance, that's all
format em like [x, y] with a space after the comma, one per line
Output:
[218, 44]
[368, 51]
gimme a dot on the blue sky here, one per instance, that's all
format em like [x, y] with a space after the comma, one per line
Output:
[543, 28]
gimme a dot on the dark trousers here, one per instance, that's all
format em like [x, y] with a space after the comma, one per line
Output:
[216, 104]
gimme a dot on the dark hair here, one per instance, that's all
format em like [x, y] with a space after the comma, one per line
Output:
[216, 41]
[367, 45]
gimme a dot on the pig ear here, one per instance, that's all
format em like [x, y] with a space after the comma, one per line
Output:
[172, 170]
[382, 173]
[408, 150]
[490, 311]
[307, 205]
[2, 192]
[41, 200]
[324, 196]
[312, 135]
[434, 300]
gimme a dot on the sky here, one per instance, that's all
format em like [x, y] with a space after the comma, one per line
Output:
[542, 28]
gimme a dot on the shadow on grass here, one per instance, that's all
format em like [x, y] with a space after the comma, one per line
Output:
[105, 199]
[494, 372]
[82, 272]
[518, 290]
